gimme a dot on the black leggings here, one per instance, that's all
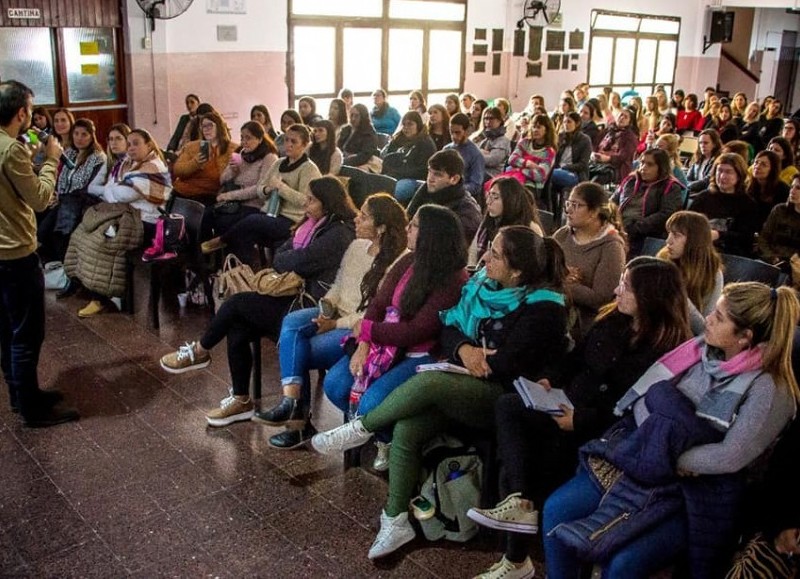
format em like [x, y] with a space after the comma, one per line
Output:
[243, 318]
[258, 228]
[535, 457]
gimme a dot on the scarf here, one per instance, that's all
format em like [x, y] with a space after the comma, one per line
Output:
[150, 178]
[256, 154]
[494, 133]
[78, 179]
[115, 175]
[483, 298]
[287, 166]
[305, 232]
[380, 360]
[718, 405]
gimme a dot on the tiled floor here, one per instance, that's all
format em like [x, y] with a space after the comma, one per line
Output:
[139, 486]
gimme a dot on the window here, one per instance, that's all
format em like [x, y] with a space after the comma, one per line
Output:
[398, 45]
[643, 51]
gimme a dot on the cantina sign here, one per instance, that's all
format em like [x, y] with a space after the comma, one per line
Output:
[24, 13]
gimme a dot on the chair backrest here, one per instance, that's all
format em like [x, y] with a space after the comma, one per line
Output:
[548, 221]
[192, 212]
[652, 245]
[739, 268]
[383, 138]
[687, 148]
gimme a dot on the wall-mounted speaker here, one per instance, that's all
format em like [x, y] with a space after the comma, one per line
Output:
[721, 26]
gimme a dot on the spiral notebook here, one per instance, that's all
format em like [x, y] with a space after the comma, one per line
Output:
[537, 397]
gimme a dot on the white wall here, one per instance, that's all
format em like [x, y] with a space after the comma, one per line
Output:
[768, 27]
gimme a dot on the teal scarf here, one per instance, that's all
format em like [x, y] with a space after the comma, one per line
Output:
[483, 298]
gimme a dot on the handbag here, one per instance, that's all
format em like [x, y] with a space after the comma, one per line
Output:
[55, 278]
[235, 277]
[270, 282]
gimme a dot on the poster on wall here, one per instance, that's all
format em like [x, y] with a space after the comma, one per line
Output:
[226, 7]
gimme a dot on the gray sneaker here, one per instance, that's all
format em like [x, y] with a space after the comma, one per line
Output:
[348, 435]
[505, 569]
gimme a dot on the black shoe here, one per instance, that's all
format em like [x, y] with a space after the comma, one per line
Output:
[51, 417]
[73, 285]
[49, 398]
[288, 412]
[290, 439]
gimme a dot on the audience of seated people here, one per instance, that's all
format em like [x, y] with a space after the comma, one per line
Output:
[530, 293]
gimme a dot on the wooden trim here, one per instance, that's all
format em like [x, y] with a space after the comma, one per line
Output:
[738, 65]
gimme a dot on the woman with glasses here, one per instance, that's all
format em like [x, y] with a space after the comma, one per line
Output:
[539, 451]
[493, 143]
[733, 214]
[384, 117]
[594, 251]
[200, 165]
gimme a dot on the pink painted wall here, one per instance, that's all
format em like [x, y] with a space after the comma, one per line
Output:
[231, 81]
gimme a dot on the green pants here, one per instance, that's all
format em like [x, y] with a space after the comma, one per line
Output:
[426, 405]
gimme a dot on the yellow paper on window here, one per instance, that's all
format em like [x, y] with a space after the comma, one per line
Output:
[89, 48]
[90, 69]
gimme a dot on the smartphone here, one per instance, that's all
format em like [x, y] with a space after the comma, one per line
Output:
[422, 508]
[327, 309]
[204, 148]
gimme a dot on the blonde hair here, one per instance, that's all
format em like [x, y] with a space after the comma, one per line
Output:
[771, 315]
[673, 141]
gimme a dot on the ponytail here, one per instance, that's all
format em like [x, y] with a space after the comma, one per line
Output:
[556, 264]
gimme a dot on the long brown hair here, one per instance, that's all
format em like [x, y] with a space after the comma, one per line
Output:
[700, 262]
[387, 213]
[93, 148]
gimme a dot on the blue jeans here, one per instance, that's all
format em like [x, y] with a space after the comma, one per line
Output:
[578, 498]
[301, 349]
[339, 381]
[405, 189]
[563, 179]
[21, 330]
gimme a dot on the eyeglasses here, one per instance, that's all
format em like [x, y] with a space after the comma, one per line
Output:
[569, 204]
[207, 126]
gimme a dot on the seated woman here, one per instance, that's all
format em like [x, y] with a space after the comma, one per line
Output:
[538, 451]
[588, 125]
[358, 141]
[416, 102]
[142, 181]
[179, 136]
[709, 146]
[612, 161]
[199, 166]
[507, 203]
[72, 196]
[476, 116]
[771, 120]
[439, 125]
[750, 129]
[670, 145]
[689, 119]
[594, 250]
[492, 142]
[63, 121]
[765, 186]
[240, 180]
[727, 124]
[314, 253]
[289, 117]
[665, 127]
[452, 104]
[791, 132]
[508, 122]
[733, 214]
[116, 155]
[780, 238]
[646, 199]
[511, 321]
[310, 339]
[405, 157]
[260, 114]
[323, 151]
[572, 156]
[288, 179]
[565, 106]
[531, 162]
[745, 358]
[384, 117]
[307, 107]
[403, 318]
[337, 114]
[783, 149]
[690, 247]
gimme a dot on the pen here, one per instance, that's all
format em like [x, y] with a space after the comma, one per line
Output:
[483, 345]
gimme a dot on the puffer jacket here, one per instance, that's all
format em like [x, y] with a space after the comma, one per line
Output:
[97, 258]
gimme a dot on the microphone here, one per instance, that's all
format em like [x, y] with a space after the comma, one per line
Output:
[43, 136]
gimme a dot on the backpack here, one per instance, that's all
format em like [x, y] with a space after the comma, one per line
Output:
[171, 237]
[452, 486]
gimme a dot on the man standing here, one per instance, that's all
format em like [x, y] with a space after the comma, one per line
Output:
[21, 280]
[474, 165]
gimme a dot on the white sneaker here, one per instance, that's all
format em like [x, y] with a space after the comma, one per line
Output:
[348, 435]
[507, 516]
[395, 532]
[381, 462]
[505, 569]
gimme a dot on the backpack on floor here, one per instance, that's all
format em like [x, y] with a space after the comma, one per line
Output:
[452, 486]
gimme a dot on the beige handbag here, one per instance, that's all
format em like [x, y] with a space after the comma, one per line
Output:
[270, 282]
[235, 277]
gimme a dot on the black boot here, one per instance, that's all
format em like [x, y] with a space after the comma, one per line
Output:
[291, 439]
[73, 285]
[288, 412]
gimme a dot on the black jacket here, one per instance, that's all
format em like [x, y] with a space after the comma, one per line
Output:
[357, 148]
[454, 197]
[581, 151]
[405, 158]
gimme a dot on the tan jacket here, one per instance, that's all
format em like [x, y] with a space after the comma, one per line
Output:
[21, 193]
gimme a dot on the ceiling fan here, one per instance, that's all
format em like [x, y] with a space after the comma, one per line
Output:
[163, 9]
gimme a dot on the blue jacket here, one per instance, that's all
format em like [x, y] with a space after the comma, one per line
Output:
[474, 166]
[386, 123]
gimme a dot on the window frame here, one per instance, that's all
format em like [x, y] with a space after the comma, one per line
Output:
[384, 23]
[636, 35]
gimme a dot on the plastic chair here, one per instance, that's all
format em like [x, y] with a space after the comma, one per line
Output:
[652, 245]
[738, 268]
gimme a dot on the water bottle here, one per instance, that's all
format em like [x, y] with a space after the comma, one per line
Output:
[273, 203]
